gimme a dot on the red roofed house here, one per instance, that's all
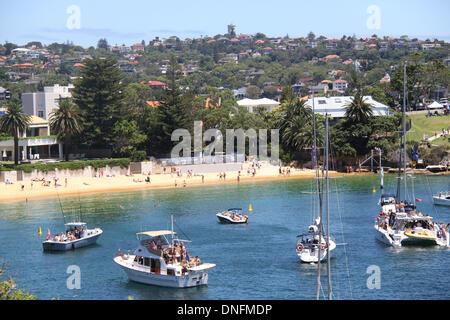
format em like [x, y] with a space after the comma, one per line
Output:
[156, 84]
[340, 85]
[153, 104]
[138, 47]
[332, 57]
[259, 42]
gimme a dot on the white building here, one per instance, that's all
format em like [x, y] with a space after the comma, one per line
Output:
[340, 85]
[253, 104]
[336, 106]
[35, 144]
[41, 104]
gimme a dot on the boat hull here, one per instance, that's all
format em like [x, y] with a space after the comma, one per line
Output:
[308, 256]
[192, 279]
[71, 245]
[224, 219]
[441, 201]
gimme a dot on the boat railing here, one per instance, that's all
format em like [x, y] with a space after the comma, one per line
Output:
[121, 253]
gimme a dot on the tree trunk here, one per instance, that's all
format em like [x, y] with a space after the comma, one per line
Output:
[66, 147]
[16, 149]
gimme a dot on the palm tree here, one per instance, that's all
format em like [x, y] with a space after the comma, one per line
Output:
[13, 121]
[358, 111]
[66, 122]
[296, 125]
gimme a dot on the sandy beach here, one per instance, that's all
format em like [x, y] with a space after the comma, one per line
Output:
[76, 186]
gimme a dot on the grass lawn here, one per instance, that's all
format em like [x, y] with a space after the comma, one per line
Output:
[421, 125]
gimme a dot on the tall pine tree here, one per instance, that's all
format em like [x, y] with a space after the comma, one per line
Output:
[99, 95]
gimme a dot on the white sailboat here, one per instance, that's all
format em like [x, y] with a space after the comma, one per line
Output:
[315, 246]
[398, 223]
[160, 262]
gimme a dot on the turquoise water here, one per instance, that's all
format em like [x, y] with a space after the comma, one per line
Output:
[254, 261]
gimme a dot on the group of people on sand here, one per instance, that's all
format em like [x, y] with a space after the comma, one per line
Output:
[284, 172]
[70, 235]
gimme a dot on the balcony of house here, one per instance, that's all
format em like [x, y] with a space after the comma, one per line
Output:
[35, 143]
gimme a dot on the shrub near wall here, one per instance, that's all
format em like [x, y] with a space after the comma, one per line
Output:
[75, 165]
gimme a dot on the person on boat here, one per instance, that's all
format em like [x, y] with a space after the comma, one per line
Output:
[76, 233]
[56, 238]
[158, 243]
[62, 237]
[82, 233]
[184, 266]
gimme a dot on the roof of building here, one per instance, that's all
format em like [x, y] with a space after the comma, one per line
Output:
[37, 120]
[336, 106]
[257, 102]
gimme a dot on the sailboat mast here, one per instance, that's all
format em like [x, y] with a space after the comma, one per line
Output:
[404, 129]
[328, 209]
[315, 163]
[171, 221]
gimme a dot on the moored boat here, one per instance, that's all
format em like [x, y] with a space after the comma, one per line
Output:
[232, 216]
[77, 235]
[157, 261]
[442, 199]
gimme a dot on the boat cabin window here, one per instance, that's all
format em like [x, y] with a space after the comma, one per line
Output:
[147, 262]
[139, 260]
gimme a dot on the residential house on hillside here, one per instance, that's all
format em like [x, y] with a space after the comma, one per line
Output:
[35, 143]
[41, 104]
[340, 85]
[138, 47]
[156, 84]
[335, 107]
[332, 44]
[321, 88]
[252, 105]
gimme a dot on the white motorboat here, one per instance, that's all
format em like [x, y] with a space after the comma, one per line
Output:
[157, 261]
[81, 237]
[232, 216]
[313, 242]
[442, 199]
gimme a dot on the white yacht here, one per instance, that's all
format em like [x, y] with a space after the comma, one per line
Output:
[400, 228]
[157, 261]
[311, 243]
[398, 223]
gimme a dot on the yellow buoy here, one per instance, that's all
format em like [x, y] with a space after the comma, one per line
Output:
[250, 207]
[374, 190]
[39, 231]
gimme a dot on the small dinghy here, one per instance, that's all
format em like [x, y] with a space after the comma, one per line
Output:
[232, 216]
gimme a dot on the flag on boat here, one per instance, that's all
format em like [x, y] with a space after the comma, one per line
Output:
[419, 200]
[48, 234]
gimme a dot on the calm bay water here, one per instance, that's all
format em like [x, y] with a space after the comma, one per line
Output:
[254, 261]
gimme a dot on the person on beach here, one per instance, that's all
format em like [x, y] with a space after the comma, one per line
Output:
[203, 178]
[65, 182]
[23, 187]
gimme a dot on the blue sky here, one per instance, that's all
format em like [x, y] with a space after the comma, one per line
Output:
[131, 21]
